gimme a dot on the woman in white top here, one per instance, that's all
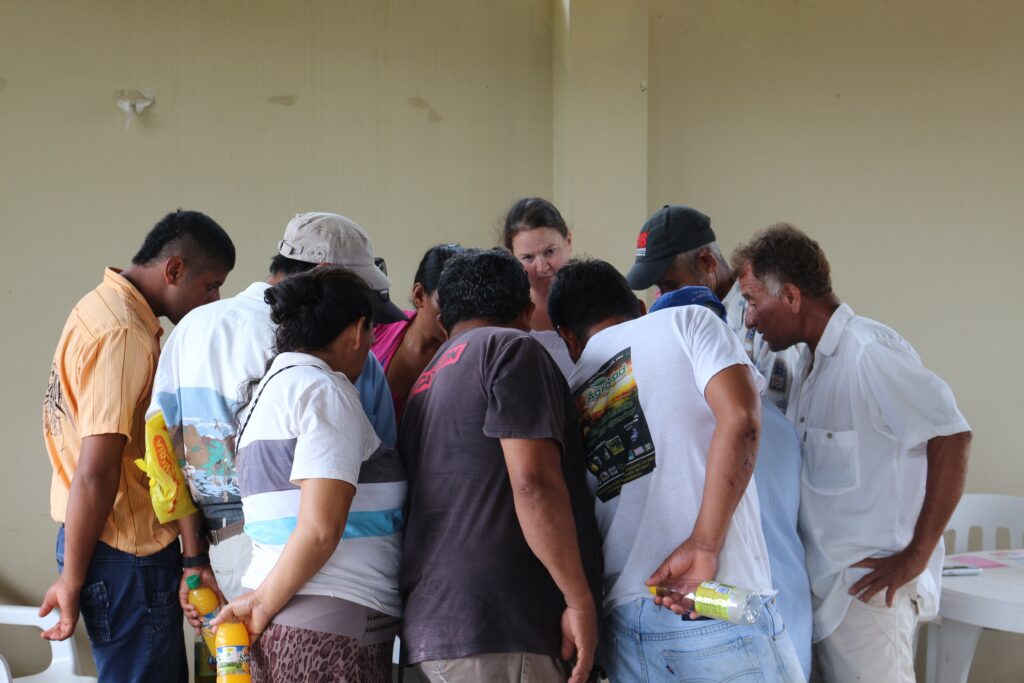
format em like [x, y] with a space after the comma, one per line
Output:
[536, 234]
[324, 604]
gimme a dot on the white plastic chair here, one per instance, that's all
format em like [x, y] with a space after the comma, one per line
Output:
[989, 512]
[63, 662]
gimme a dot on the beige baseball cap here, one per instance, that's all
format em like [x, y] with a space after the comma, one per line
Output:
[319, 237]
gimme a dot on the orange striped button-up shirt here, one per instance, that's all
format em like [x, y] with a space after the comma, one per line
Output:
[100, 383]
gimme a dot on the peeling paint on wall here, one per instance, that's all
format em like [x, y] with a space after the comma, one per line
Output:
[418, 102]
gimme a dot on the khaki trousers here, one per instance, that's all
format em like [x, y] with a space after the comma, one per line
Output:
[872, 643]
[510, 667]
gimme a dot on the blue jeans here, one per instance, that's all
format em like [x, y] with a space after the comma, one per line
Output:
[644, 642]
[130, 608]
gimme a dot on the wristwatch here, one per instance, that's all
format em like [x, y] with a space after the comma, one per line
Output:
[194, 561]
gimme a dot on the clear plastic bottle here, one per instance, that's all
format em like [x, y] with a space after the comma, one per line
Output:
[233, 653]
[718, 601]
[206, 603]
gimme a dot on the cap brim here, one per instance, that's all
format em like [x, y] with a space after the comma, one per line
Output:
[371, 275]
[384, 311]
[645, 274]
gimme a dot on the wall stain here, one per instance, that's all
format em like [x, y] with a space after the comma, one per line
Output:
[286, 100]
[421, 104]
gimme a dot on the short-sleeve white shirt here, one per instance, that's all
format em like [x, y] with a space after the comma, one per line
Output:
[639, 387]
[864, 411]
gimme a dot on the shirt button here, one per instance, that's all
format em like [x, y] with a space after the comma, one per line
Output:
[829, 435]
[802, 419]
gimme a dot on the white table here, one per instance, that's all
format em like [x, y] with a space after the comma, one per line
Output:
[995, 600]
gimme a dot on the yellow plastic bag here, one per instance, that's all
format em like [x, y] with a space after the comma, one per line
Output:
[167, 488]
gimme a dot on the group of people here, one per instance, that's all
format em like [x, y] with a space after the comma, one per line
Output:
[501, 474]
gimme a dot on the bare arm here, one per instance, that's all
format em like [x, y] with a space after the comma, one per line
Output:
[545, 516]
[733, 398]
[194, 543]
[93, 490]
[323, 511]
[947, 471]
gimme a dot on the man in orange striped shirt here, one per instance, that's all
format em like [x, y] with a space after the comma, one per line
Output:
[118, 564]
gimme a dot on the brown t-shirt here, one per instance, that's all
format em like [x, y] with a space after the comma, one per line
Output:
[470, 582]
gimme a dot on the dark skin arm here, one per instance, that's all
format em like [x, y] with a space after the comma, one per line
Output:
[194, 543]
[947, 471]
[93, 490]
[733, 398]
[545, 516]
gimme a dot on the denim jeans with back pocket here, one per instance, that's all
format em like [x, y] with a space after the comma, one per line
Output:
[644, 642]
[130, 608]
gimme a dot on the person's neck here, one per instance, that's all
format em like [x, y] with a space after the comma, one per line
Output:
[605, 324]
[724, 285]
[418, 337]
[540, 321]
[464, 326]
[147, 281]
[819, 312]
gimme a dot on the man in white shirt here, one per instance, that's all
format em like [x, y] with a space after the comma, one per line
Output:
[884, 460]
[676, 248]
[218, 347]
[671, 417]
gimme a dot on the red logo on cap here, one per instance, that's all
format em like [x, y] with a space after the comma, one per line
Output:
[641, 240]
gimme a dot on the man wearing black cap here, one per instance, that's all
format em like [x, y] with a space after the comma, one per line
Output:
[676, 248]
[218, 347]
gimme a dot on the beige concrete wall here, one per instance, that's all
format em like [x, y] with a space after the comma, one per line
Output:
[893, 132]
[422, 120]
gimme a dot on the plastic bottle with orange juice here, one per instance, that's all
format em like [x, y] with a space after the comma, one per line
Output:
[206, 603]
[233, 653]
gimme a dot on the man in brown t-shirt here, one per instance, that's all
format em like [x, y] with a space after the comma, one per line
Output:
[118, 564]
[501, 559]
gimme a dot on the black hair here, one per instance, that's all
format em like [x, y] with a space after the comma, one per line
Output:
[531, 213]
[310, 310]
[428, 273]
[589, 291]
[482, 284]
[282, 265]
[195, 237]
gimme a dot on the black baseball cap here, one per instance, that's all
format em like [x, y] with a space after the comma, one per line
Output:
[670, 230]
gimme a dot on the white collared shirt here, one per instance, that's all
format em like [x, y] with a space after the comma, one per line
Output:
[777, 367]
[864, 414]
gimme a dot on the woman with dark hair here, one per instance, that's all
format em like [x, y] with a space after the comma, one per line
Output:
[324, 571]
[538, 237]
[404, 348]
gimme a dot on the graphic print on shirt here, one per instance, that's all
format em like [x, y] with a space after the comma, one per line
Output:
[616, 438]
[53, 404]
[450, 357]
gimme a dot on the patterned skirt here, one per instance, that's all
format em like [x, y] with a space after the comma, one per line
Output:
[337, 641]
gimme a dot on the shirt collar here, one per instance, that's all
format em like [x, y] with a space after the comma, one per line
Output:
[255, 290]
[283, 360]
[834, 330]
[112, 278]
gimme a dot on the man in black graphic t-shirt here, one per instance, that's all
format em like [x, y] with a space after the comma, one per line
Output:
[501, 561]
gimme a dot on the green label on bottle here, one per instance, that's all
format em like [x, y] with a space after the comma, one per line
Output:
[713, 600]
[232, 660]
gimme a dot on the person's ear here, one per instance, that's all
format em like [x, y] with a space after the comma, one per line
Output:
[359, 332]
[643, 306]
[174, 270]
[572, 343]
[792, 297]
[568, 240]
[419, 295]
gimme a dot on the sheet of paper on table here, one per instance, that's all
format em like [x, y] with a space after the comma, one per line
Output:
[975, 561]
